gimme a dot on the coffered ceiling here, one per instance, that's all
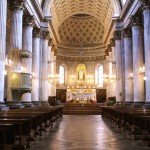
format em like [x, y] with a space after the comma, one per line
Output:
[86, 23]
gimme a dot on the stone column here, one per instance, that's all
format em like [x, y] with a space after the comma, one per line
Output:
[35, 66]
[112, 44]
[106, 71]
[27, 50]
[49, 67]
[110, 71]
[138, 60]
[119, 66]
[53, 72]
[44, 73]
[16, 8]
[3, 16]
[146, 13]
[128, 66]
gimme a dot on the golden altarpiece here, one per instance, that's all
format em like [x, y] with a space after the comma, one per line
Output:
[81, 86]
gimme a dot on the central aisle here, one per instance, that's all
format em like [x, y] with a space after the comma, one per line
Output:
[89, 132]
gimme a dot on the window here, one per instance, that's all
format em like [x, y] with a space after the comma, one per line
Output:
[62, 75]
[100, 76]
[124, 1]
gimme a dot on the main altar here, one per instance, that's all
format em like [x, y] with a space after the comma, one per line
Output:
[81, 88]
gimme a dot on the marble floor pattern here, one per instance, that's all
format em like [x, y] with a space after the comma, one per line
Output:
[86, 132]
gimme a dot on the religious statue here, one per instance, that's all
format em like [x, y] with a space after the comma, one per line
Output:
[81, 70]
[81, 74]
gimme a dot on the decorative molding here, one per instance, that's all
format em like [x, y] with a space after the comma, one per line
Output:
[126, 8]
[38, 9]
[75, 59]
[16, 4]
[25, 54]
[28, 20]
[36, 32]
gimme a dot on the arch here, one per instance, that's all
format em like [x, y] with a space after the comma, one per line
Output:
[99, 71]
[46, 5]
[61, 74]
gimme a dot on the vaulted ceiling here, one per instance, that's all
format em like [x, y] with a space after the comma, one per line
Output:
[82, 22]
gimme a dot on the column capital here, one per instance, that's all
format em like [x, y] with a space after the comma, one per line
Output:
[50, 42]
[45, 35]
[145, 4]
[53, 48]
[109, 48]
[136, 20]
[16, 4]
[28, 20]
[36, 32]
[117, 35]
[127, 33]
[112, 42]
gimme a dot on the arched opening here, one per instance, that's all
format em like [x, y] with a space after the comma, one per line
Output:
[61, 75]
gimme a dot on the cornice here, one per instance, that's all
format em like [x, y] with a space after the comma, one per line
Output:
[38, 9]
[88, 51]
[126, 8]
[78, 59]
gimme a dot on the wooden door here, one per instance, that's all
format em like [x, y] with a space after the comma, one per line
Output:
[61, 94]
[101, 95]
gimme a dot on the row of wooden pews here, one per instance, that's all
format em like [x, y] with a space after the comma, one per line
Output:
[18, 127]
[136, 121]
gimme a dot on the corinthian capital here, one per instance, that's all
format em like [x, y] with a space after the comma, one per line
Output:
[112, 42]
[36, 33]
[136, 20]
[117, 35]
[45, 35]
[28, 20]
[145, 4]
[16, 4]
[127, 33]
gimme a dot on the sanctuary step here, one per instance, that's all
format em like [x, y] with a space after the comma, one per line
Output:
[82, 109]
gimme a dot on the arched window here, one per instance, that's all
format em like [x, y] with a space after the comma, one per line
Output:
[62, 75]
[100, 76]
[124, 1]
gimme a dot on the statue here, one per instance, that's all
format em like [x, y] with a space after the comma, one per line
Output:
[81, 74]
[81, 70]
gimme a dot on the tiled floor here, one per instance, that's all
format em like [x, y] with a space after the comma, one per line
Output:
[89, 132]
